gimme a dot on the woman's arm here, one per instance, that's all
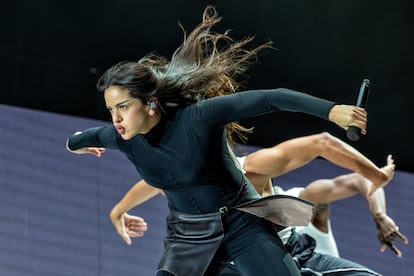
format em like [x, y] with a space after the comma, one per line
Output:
[247, 104]
[97, 137]
[88, 150]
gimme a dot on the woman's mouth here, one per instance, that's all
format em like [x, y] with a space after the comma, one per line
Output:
[120, 129]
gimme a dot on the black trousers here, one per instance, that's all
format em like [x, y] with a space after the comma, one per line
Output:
[311, 263]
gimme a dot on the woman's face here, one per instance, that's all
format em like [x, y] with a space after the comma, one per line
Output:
[129, 115]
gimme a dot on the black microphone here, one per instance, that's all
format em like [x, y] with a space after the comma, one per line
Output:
[354, 132]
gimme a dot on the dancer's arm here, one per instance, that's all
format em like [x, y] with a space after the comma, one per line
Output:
[294, 153]
[126, 225]
[387, 230]
[132, 226]
[325, 191]
[246, 104]
[330, 190]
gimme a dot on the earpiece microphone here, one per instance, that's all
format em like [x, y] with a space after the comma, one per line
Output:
[354, 132]
[151, 105]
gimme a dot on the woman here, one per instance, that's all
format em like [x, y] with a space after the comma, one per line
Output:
[177, 142]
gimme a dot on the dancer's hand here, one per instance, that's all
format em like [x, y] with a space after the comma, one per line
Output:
[349, 115]
[388, 174]
[128, 226]
[89, 150]
[388, 232]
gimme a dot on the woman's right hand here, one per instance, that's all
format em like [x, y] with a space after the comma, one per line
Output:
[88, 150]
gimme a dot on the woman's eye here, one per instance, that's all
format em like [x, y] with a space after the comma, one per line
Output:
[123, 107]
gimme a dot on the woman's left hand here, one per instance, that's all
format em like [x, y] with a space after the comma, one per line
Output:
[349, 115]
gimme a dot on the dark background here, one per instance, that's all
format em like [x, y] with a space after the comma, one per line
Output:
[52, 53]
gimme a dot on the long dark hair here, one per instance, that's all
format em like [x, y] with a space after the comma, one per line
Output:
[205, 65]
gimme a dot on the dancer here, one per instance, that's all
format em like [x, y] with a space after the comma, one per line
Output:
[320, 256]
[265, 164]
[177, 142]
[312, 257]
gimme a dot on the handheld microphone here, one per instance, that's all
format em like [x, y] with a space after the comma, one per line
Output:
[354, 132]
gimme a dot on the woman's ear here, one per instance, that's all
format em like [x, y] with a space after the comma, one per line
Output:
[152, 105]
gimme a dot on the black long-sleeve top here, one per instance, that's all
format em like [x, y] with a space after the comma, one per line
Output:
[187, 156]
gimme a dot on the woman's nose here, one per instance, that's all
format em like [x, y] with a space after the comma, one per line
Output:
[116, 117]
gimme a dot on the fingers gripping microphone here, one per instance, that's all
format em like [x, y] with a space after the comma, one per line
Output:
[354, 132]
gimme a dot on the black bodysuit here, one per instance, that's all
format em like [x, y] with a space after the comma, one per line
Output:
[186, 155]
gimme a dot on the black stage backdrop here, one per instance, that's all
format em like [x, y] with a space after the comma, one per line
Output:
[54, 206]
[52, 53]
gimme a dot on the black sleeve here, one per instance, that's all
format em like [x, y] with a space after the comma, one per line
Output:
[94, 137]
[242, 105]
